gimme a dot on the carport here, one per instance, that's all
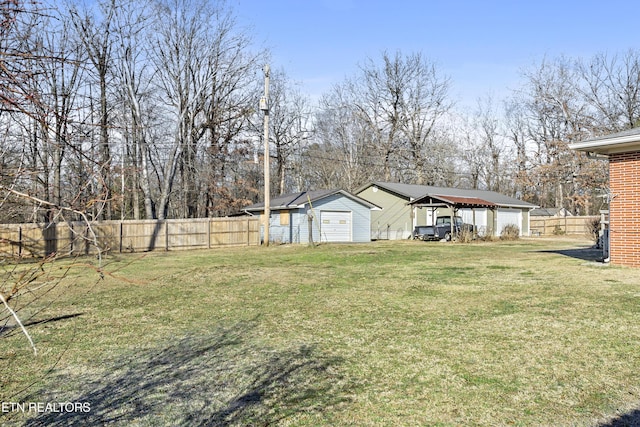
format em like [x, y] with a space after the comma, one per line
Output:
[453, 203]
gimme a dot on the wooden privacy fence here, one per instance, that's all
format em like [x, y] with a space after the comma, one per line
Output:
[76, 238]
[562, 225]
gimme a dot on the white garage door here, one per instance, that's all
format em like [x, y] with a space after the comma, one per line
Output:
[507, 217]
[335, 226]
[480, 218]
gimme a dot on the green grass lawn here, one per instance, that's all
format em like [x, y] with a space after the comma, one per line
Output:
[388, 333]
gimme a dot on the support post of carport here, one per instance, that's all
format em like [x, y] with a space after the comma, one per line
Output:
[452, 209]
[454, 203]
[475, 228]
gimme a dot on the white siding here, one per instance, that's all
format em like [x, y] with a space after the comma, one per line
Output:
[335, 226]
[359, 222]
[509, 217]
[360, 217]
[480, 219]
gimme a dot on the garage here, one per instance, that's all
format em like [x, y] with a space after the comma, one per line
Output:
[405, 206]
[508, 217]
[317, 216]
[335, 226]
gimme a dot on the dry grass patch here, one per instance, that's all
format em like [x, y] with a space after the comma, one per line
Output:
[388, 333]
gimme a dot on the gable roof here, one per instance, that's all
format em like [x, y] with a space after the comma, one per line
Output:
[619, 142]
[300, 199]
[414, 191]
[550, 212]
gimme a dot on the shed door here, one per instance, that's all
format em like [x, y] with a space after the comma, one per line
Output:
[509, 216]
[335, 226]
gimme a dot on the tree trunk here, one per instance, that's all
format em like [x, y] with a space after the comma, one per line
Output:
[105, 155]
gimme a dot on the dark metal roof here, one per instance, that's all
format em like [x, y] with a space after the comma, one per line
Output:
[299, 199]
[550, 212]
[415, 191]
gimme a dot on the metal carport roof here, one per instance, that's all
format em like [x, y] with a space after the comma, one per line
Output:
[457, 202]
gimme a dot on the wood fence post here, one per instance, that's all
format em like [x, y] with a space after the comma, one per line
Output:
[166, 235]
[86, 240]
[20, 241]
[71, 238]
[120, 232]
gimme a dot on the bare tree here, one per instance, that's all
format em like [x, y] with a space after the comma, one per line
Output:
[40, 102]
[392, 110]
[345, 142]
[131, 21]
[611, 86]
[60, 77]
[229, 104]
[553, 114]
[290, 122]
[492, 151]
[180, 55]
[470, 155]
[324, 169]
[94, 30]
[516, 133]
[204, 72]
[424, 103]
[378, 99]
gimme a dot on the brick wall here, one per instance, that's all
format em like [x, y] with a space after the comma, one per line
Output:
[624, 212]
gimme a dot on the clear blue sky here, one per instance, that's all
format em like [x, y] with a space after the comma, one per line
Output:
[481, 45]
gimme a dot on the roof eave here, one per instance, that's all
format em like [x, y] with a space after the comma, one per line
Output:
[303, 205]
[261, 208]
[386, 188]
[607, 146]
[530, 207]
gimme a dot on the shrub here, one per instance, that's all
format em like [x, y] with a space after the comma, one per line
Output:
[465, 236]
[592, 227]
[485, 234]
[510, 232]
[558, 231]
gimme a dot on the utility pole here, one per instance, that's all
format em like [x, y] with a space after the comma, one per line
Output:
[264, 106]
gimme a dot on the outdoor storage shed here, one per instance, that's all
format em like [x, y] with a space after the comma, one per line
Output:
[623, 151]
[490, 211]
[323, 215]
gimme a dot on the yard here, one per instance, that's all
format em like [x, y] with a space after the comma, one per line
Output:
[388, 333]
